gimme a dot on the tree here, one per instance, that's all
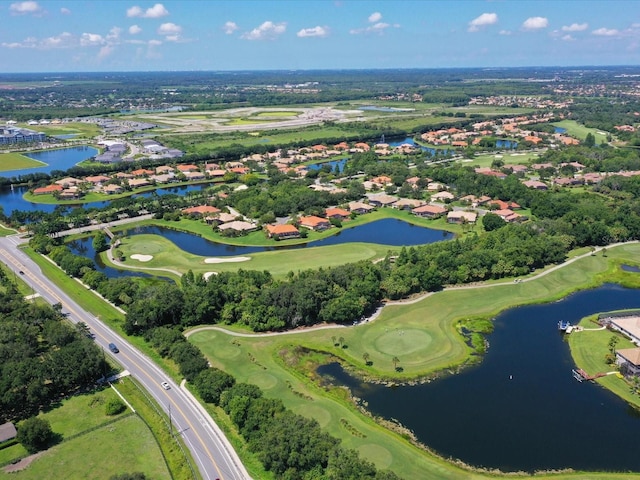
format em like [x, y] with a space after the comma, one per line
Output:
[211, 383]
[590, 140]
[395, 361]
[491, 222]
[366, 357]
[34, 434]
[99, 241]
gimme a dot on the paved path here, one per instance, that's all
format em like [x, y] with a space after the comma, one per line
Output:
[410, 301]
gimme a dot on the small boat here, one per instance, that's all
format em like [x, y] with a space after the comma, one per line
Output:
[563, 325]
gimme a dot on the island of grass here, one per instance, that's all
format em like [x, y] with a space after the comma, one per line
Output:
[17, 161]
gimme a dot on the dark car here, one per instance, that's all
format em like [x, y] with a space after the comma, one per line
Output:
[21, 272]
[113, 348]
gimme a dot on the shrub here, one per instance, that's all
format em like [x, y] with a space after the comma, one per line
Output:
[115, 406]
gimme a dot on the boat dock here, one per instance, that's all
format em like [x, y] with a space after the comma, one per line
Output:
[581, 375]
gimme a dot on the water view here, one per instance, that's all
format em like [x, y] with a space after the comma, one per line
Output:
[389, 231]
[520, 409]
[59, 159]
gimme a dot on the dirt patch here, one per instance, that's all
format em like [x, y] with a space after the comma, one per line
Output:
[22, 464]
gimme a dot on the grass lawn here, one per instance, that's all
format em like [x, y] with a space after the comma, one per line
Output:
[508, 158]
[579, 131]
[421, 335]
[82, 130]
[17, 161]
[277, 113]
[4, 231]
[128, 440]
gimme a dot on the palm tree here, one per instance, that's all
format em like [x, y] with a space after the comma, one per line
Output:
[333, 339]
[341, 341]
[365, 357]
[395, 361]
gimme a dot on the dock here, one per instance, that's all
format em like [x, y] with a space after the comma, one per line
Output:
[581, 375]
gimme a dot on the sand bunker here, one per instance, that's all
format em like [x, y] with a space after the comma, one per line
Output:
[226, 259]
[206, 275]
[142, 258]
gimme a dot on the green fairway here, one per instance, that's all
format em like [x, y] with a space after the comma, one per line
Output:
[17, 161]
[486, 160]
[580, 132]
[80, 129]
[167, 255]
[423, 337]
[81, 421]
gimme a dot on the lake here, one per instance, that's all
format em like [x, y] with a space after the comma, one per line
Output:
[58, 159]
[388, 231]
[520, 409]
[12, 198]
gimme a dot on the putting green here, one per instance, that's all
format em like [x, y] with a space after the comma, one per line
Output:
[265, 381]
[403, 341]
[322, 416]
[380, 456]
[227, 351]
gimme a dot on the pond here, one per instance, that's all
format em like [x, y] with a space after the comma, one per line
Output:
[631, 268]
[389, 231]
[430, 150]
[339, 164]
[12, 198]
[58, 159]
[84, 247]
[520, 409]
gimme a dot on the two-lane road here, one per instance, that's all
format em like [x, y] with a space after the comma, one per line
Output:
[213, 455]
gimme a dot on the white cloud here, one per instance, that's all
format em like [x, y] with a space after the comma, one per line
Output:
[25, 8]
[482, 21]
[65, 11]
[606, 32]
[378, 28]
[535, 23]
[575, 27]
[91, 39]
[313, 32]
[134, 30]
[567, 38]
[105, 51]
[114, 35]
[375, 17]
[230, 27]
[64, 40]
[156, 11]
[169, 29]
[154, 43]
[267, 31]
[505, 32]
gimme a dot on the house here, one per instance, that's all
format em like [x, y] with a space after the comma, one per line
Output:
[7, 432]
[535, 184]
[360, 207]
[282, 232]
[238, 226]
[138, 182]
[508, 215]
[458, 216]
[381, 180]
[407, 204]
[68, 182]
[338, 213]
[47, 189]
[194, 175]
[382, 200]
[96, 179]
[629, 361]
[112, 189]
[142, 172]
[200, 210]
[187, 168]
[315, 223]
[429, 211]
[442, 196]
[628, 323]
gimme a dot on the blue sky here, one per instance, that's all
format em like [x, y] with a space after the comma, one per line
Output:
[118, 35]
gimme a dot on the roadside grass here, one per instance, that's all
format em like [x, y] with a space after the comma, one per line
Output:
[17, 161]
[124, 437]
[277, 113]
[4, 231]
[245, 121]
[579, 131]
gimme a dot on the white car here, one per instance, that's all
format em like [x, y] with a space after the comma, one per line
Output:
[165, 385]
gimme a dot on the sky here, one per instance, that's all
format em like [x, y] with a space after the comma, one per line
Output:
[223, 35]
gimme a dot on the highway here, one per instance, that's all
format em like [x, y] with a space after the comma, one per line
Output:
[213, 455]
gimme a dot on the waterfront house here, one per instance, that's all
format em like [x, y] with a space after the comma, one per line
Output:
[459, 216]
[360, 207]
[282, 232]
[339, 213]
[315, 223]
[47, 189]
[201, 210]
[628, 359]
[429, 211]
